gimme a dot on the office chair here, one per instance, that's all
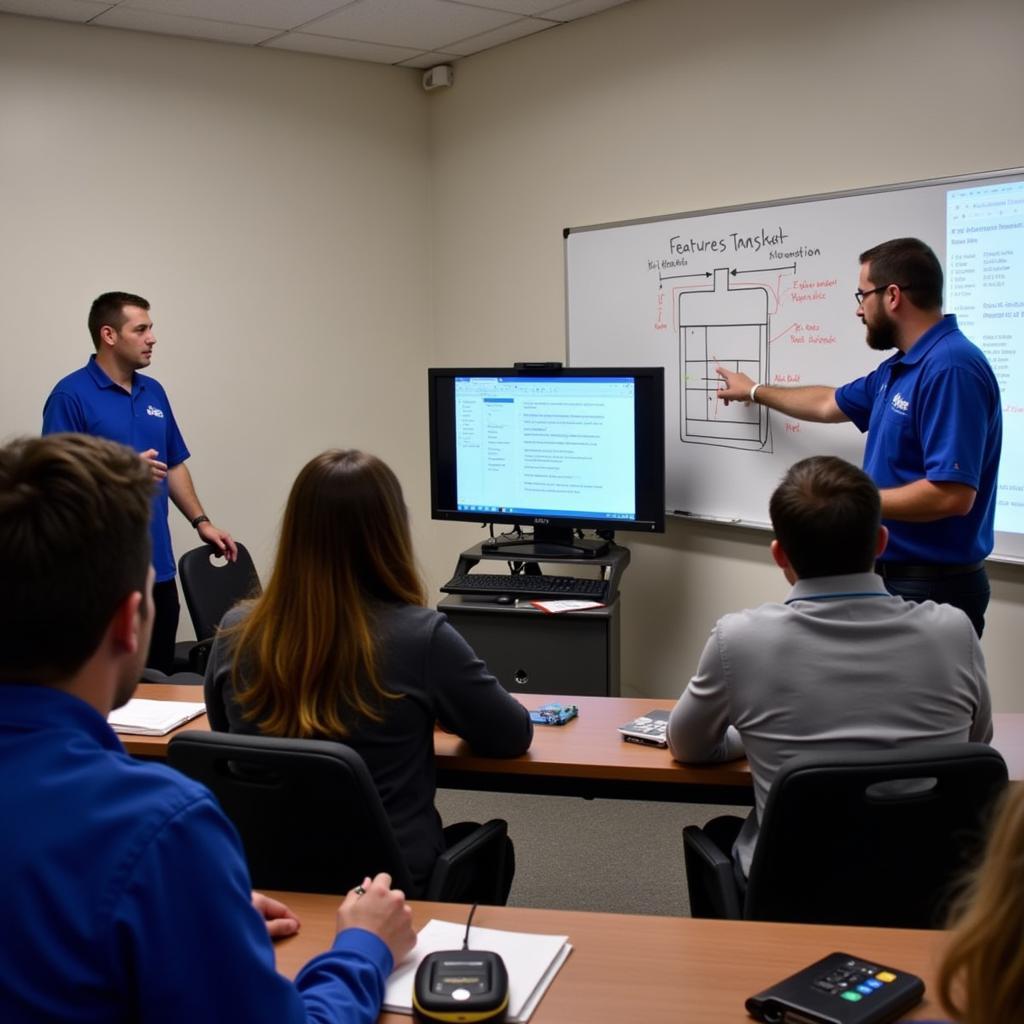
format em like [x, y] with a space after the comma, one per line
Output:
[878, 838]
[311, 819]
[154, 675]
[212, 586]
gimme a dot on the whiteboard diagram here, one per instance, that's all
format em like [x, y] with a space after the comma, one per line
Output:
[768, 289]
[724, 325]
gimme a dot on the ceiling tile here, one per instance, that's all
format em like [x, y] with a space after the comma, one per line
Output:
[352, 49]
[63, 10]
[429, 60]
[420, 24]
[193, 28]
[580, 8]
[515, 6]
[265, 13]
[484, 41]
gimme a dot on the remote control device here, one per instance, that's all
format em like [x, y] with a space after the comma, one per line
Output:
[840, 989]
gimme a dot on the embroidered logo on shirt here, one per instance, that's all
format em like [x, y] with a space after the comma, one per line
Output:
[899, 403]
[152, 410]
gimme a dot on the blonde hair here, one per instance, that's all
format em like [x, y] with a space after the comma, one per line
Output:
[981, 978]
[305, 659]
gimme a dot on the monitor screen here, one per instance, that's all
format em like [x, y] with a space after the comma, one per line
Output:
[554, 448]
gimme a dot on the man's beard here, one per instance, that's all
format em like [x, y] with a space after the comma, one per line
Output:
[882, 334]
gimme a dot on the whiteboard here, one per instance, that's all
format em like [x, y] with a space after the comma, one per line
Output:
[768, 289]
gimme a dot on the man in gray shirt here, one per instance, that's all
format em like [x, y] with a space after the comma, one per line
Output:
[839, 665]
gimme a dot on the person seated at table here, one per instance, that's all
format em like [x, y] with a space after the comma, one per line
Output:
[981, 976]
[840, 664]
[341, 646]
[126, 892]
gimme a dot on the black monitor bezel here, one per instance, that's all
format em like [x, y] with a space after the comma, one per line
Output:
[649, 447]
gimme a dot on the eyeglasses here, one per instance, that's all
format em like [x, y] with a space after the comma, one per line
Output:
[860, 296]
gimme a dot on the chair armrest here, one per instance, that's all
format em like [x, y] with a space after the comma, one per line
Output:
[474, 868]
[709, 877]
[199, 655]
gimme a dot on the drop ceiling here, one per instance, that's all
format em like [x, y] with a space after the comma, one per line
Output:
[407, 33]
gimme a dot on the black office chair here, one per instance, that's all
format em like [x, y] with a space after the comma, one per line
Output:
[877, 838]
[212, 586]
[311, 819]
[154, 675]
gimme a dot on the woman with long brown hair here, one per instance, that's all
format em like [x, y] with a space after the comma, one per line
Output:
[340, 646]
[981, 979]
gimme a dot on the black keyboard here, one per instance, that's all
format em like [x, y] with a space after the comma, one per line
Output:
[551, 587]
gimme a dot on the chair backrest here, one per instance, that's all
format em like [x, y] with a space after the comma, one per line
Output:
[309, 815]
[212, 585]
[876, 838]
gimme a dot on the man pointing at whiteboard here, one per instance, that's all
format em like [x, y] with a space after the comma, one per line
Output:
[934, 423]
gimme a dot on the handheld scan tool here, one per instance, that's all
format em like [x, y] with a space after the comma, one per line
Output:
[461, 986]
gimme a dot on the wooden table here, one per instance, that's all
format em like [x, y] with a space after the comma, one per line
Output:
[585, 758]
[655, 969]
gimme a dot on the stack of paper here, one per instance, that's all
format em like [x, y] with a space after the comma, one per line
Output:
[532, 962]
[153, 717]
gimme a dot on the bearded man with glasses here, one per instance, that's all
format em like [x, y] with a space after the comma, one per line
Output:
[933, 419]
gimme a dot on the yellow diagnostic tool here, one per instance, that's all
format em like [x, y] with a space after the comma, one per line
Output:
[461, 986]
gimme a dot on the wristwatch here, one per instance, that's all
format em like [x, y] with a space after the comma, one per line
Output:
[199, 519]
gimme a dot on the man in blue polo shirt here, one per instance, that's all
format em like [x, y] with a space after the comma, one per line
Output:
[933, 418]
[126, 894]
[109, 398]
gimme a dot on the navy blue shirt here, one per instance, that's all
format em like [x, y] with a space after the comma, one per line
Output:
[126, 896]
[933, 413]
[89, 402]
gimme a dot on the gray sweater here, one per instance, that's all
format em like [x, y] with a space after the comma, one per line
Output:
[441, 681]
[840, 666]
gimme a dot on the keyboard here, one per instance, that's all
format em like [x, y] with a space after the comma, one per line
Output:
[550, 587]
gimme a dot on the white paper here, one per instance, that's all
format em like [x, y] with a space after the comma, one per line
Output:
[532, 962]
[153, 717]
[568, 605]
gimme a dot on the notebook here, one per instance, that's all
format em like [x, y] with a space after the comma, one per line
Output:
[649, 728]
[141, 717]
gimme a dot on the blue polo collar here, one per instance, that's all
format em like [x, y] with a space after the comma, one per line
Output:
[930, 338]
[101, 380]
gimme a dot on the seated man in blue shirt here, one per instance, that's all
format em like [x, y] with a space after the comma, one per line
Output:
[125, 887]
[841, 664]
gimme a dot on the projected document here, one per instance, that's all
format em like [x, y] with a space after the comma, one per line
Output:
[545, 446]
[985, 268]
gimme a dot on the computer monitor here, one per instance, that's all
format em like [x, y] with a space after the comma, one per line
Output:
[559, 449]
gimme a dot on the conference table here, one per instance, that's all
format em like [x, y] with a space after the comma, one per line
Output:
[587, 757]
[627, 967]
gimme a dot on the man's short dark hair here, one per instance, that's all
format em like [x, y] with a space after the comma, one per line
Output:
[74, 543]
[912, 265]
[826, 515]
[107, 310]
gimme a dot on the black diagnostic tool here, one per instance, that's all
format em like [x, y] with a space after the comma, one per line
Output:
[840, 989]
[458, 986]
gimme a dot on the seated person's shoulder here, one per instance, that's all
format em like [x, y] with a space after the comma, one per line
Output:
[753, 618]
[407, 620]
[940, 617]
[155, 790]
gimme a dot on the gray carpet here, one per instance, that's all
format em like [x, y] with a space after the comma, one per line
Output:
[619, 856]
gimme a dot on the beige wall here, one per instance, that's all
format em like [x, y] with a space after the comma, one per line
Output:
[273, 207]
[305, 225]
[662, 106]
